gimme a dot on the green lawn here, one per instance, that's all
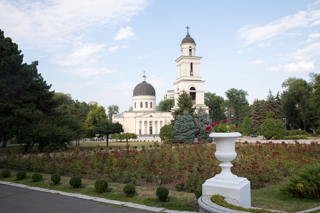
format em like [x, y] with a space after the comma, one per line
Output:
[114, 144]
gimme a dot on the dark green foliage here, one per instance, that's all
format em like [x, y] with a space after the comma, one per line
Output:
[279, 129]
[184, 104]
[113, 109]
[216, 106]
[296, 132]
[5, 173]
[184, 129]
[162, 193]
[75, 182]
[55, 178]
[258, 116]
[36, 177]
[129, 190]
[106, 128]
[166, 132]
[273, 128]
[198, 192]
[21, 175]
[202, 120]
[101, 185]
[245, 128]
[305, 185]
[179, 186]
[165, 105]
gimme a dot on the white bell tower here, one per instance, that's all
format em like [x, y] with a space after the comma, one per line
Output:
[189, 78]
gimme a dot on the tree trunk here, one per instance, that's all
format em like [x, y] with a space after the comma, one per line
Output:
[107, 139]
[4, 144]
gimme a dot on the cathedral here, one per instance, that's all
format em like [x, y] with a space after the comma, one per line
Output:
[144, 120]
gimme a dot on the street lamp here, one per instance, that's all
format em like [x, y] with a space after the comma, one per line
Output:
[285, 125]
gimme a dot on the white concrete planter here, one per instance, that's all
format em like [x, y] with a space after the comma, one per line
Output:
[226, 183]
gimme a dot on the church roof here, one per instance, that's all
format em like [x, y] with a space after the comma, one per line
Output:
[188, 39]
[144, 88]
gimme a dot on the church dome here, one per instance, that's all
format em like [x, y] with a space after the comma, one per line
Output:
[188, 39]
[144, 88]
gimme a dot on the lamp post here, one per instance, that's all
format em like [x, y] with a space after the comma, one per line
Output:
[285, 125]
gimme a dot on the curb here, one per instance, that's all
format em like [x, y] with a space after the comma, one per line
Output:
[96, 199]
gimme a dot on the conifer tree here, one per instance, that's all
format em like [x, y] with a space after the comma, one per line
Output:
[270, 104]
[258, 116]
[184, 104]
[202, 120]
[278, 112]
[184, 128]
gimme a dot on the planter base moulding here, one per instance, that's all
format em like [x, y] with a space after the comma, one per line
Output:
[237, 188]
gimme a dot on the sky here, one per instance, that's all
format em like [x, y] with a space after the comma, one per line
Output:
[97, 50]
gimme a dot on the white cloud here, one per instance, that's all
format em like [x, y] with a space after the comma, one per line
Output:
[86, 54]
[239, 51]
[307, 52]
[125, 33]
[264, 44]
[306, 41]
[276, 68]
[55, 24]
[91, 71]
[314, 35]
[251, 34]
[315, 23]
[113, 49]
[302, 66]
[256, 62]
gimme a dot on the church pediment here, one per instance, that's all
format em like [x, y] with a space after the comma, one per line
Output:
[154, 115]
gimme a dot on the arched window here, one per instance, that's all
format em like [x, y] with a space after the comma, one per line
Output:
[141, 104]
[191, 69]
[193, 94]
[135, 105]
[146, 104]
[190, 51]
[150, 104]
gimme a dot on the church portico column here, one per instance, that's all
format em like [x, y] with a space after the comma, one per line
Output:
[142, 128]
[153, 128]
[158, 125]
[137, 127]
[148, 127]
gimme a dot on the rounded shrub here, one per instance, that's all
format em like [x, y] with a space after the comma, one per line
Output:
[129, 189]
[21, 175]
[179, 186]
[75, 182]
[55, 178]
[5, 173]
[198, 192]
[101, 185]
[162, 193]
[36, 177]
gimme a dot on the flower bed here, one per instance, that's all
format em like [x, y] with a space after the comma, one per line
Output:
[179, 163]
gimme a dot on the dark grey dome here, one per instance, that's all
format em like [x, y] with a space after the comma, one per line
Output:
[188, 39]
[144, 88]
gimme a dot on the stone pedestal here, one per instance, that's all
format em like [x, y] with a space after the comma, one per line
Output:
[237, 188]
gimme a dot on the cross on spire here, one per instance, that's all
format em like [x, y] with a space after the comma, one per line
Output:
[188, 29]
[144, 73]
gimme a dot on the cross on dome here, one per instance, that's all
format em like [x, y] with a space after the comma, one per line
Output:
[188, 29]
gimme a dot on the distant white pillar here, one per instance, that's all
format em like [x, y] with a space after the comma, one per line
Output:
[162, 123]
[142, 128]
[153, 128]
[158, 125]
[148, 127]
[137, 127]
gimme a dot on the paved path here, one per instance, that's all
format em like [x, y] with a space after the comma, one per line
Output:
[16, 200]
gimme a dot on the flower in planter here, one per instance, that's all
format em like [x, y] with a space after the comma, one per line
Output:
[221, 127]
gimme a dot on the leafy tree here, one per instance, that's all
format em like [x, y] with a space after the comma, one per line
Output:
[128, 136]
[296, 101]
[245, 128]
[258, 116]
[216, 105]
[184, 128]
[184, 104]
[25, 96]
[166, 132]
[165, 105]
[202, 120]
[238, 102]
[315, 102]
[106, 128]
[273, 127]
[113, 109]
[96, 115]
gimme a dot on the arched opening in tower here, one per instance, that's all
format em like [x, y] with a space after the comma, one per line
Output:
[193, 95]
[191, 69]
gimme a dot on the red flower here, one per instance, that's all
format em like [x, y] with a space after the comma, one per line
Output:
[218, 122]
[225, 120]
[185, 167]
[208, 128]
[213, 124]
[188, 176]
[234, 128]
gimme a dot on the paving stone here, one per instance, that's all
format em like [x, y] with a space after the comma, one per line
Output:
[103, 200]
[139, 206]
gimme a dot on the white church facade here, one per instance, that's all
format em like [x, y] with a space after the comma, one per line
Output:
[144, 120]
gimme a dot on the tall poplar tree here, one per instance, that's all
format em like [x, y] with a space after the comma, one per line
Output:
[258, 116]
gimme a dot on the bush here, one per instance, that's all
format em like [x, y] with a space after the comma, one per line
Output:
[198, 192]
[5, 173]
[305, 185]
[21, 175]
[101, 186]
[129, 189]
[273, 128]
[36, 177]
[162, 193]
[179, 186]
[75, 182]
[55, 178]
